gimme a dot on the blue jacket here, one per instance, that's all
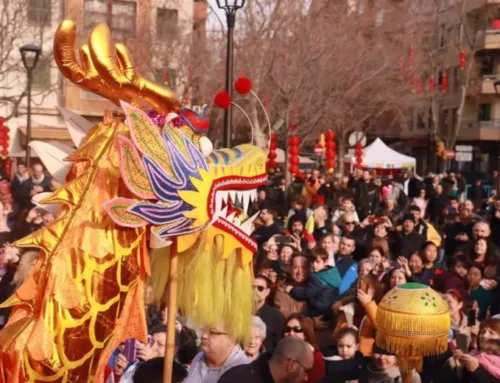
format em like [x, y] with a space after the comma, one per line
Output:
[319, 297]
[350, 277]
[329, 277]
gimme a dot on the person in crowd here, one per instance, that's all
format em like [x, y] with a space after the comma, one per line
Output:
[421, 201]
[483, 253]
[285, 256]
[298, 326]
[478, 292]
[20, 188]
[291, 362]
[481, 365]
[407, 241]
[367, 197]
[391, 211]
[151, 371]
[345, 262]
[395, 277]
[320, 290]
[38, 182]
[381, 263]
[302, 238]
[287, 305]
[455, 278]
[331, 243]
[347, 206]
[6, 235]
[255, 347]
[477, 193]
[124, 370]
[272, 318]
[269, 228]
[384, 368]
[320, 222]
[362, 313]
[436, 206]
[348, 364]
[458, 318]
[459, 233]
[415, 270]
[299, 209]
[219, 353]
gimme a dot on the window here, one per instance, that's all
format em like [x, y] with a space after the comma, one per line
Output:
[166, 22]
[123, 16]
[39, 12]
[41, 74]
[484, 113]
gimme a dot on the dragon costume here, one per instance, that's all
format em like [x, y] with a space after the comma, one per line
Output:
[137, 180]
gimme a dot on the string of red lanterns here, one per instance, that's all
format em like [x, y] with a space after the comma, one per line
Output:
[271, 164]
[293, 152]
[4, 138]
[331, 151]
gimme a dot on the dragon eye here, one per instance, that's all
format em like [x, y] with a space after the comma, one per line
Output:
[206, 146]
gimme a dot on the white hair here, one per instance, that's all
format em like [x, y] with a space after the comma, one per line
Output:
[259, 323]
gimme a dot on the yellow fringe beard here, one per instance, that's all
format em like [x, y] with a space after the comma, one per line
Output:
[212, 292]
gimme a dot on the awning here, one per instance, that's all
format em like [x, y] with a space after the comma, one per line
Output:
[44, 133]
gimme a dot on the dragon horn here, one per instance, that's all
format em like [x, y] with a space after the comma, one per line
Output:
[128, 81]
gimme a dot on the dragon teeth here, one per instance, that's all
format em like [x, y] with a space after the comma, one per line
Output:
[230, 217]
[246, 201]
[247, 226]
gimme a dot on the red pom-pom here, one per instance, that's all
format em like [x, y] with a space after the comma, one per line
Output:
[222, 100]
[359, 146]
[243, 85]
[272, 155]
[331, 145]
[329, 154]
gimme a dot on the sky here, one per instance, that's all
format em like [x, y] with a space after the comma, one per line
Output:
[212, 22]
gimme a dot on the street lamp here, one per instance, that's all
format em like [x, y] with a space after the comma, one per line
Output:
[30, 53]
[230, 7]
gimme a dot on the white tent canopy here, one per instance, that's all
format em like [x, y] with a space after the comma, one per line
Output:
[379, 156]
[280, 158]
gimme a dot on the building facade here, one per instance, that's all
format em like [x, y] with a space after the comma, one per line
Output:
[158, 34]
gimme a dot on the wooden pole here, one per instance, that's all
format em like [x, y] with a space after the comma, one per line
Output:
[171, 317]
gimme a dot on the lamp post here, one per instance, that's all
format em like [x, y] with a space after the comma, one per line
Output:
[30, 54]
[230, 7]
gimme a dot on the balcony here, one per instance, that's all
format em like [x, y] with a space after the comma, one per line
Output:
[480, 131]
[487, 86]
[489, 39]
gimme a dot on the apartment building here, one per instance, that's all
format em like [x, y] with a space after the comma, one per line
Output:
[158, 34]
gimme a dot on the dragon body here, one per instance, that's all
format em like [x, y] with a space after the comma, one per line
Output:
[136, 181]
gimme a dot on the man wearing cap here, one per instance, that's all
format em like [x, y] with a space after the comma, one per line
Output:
[407, 241]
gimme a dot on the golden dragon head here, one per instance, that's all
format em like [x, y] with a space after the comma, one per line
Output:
[181, 187]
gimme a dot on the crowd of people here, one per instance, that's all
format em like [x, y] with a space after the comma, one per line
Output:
[329, 249]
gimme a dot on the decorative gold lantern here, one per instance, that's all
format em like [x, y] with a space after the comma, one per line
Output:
[412, 322]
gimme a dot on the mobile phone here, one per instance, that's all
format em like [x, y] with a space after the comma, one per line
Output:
[471, 318]
[283, 240]
[130, 351]
[463, 343]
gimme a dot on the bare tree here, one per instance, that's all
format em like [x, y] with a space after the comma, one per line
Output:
[23, 22]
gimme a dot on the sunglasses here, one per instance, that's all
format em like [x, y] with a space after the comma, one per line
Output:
[349, 223]
[259, 288]
[307, 370]
[295, 329]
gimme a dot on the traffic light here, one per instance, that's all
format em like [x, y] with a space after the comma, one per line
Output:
[440, 149]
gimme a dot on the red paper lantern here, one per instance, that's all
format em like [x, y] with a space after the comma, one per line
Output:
[359, 146]
[293, 150]
[274, 137]
[330, 163]
[271, 164]
[273, 145]
[293, 141]
[495, 24]
[4, 152]
[444, 82]
[331, 145]
[329, 154]
[432, 85]
[272, 155]
[294, 160]
[294, 169]
[329, 135]
[461, 60]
